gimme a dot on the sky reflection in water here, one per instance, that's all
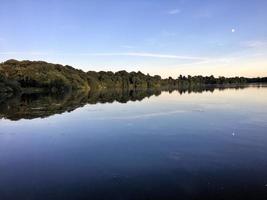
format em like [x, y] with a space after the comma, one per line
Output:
[192, 146]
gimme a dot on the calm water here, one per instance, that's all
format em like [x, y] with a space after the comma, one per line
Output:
[179, 145]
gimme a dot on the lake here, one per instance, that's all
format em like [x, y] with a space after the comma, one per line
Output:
[208, 143]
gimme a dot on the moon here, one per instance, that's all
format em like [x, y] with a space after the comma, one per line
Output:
[233, 30]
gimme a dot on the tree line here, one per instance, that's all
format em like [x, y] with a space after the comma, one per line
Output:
[42, 76]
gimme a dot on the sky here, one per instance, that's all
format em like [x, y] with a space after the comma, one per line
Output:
[165, 37]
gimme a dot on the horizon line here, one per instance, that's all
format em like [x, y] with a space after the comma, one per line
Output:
[130, 71]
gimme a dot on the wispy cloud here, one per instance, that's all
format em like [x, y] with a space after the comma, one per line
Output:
[174, 11]
[254, 44]
[142, 116]
[146, 54]
[133, 54]
[195, 59]
[181, 58]
[127, 46]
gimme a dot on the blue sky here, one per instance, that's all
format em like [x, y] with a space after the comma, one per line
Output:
[155, 36]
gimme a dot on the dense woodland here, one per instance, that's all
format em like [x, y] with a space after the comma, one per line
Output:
[39, 76]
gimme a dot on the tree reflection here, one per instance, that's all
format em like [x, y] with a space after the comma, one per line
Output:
[30, 106]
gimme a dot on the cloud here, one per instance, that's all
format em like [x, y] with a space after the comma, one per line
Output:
[183, 59]
[142, 116]
[254, 44]
[174, 11]
[189, 59]
[146, 54]
[127, 46]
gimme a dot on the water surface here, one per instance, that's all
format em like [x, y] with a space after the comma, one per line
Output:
[201, 144]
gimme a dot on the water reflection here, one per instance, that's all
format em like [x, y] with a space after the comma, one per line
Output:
[30, 106]
[173, 146]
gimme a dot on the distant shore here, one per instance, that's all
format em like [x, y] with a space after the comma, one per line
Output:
[39, 76]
